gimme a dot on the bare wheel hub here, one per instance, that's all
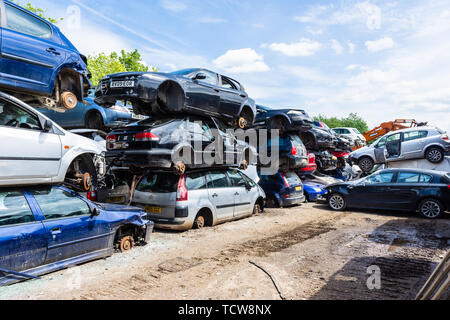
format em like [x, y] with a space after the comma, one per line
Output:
[180, 168]
[126, 243]
[68, 100]
[200, 222]
[242, 122]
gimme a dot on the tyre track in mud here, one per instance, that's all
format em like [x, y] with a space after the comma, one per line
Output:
[158, 277]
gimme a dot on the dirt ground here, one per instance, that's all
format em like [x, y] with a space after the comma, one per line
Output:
[311, 252]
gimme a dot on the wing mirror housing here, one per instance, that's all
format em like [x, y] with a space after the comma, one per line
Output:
[94, 211]
[48, 126]
[200, 76]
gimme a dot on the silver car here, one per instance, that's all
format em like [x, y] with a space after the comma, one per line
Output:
[197, 199]
[412, 143]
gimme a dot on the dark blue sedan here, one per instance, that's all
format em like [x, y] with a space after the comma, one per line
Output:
[38, 62]
[282, 190]
[46, 229]
[92, 116]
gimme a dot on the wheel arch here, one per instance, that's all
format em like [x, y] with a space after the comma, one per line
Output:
[210, 219]
[69, 78]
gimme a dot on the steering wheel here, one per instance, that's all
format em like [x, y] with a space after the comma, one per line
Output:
[12, 123]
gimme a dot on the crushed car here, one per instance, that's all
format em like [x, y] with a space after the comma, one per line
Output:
[189, 91]
[35, 150]
[284, 189]
[38, 64]
[44, 229]
[319, 137]
[285, 120]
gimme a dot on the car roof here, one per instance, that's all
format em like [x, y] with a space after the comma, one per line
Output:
[412, 129]
[424, 171]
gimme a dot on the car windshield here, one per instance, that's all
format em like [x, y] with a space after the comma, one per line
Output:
[159, 182]
[183, 72]
[356, 131]
[263, 108]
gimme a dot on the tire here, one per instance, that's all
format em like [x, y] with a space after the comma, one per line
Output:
[271, 202]
[94, 121]
[337, 202]
[431, 208]
[434, 155]
[366, 164]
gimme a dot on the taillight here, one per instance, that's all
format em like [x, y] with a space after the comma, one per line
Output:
[294, 151]
[286, 183]
[111, 138]
[92, 195]
[312, 158]
[145, 136]
[182, 191]
[445, 138]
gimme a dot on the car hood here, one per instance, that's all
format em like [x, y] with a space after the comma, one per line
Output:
[313, 185]
[361, 151]
[75, 141]
[118, 207]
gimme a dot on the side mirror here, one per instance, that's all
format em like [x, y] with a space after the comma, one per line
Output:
[200, 76]
[94, 211]
[248, 186]
[48, 125]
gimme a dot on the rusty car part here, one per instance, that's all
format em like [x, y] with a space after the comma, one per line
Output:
[438, 283]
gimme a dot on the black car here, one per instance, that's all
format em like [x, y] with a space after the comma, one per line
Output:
[177, 143]
[395, 189]
[319, 138]
[194, 91]
[325, 161]
[285, 120]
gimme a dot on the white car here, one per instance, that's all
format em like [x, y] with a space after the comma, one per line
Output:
[351, 134]
[35, 150]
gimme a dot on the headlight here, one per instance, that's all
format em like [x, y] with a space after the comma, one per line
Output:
[120, 109]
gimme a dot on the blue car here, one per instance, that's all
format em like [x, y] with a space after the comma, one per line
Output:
[46, 229]
[92, 116]
[314, 191]
[38, 64]
[282, 190]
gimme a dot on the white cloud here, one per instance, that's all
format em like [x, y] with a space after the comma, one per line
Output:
[172, 5]
[380, 44]
[241, 61]
[304, 47]
[351, 47]
[337, 47]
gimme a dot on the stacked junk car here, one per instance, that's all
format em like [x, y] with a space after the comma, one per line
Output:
[86, 172]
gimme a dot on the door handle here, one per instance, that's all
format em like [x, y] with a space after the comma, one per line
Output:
[215, 195]
[236, 194]
[56, 231]
[52, 50]
[243, 95]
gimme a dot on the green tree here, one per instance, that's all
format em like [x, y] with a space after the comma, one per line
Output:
[38, 11]
[101, 65]
[353, 121]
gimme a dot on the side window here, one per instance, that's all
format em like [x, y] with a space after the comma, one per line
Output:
[196, 181]
[424, 178]
[14, 209]
[13, 116]
[385, 177]
[58, 204]
[236, 178]
[228, 84]
[211, 78]
[414, 135]
[250, 181]
[23, 22]
[408, 177]
[345, 131]
[217, 179]
[394, 137]
[381, 143]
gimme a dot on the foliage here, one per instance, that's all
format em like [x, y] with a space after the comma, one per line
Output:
[38, 11]
[352, 121]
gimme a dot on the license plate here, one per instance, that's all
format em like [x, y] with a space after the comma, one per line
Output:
[154, 210]
[298, 188]
[138, 116]
[116, 200]
[122, 84]
[119, 145]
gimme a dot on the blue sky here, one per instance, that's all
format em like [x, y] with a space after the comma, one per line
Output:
[382, 59]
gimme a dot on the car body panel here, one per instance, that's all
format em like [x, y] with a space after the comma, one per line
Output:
[43, 249]
[314, 191]
[285, 195]
[297, 120]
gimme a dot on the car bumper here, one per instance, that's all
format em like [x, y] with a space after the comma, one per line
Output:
[293, 162]
[288, 202]
[140, 158]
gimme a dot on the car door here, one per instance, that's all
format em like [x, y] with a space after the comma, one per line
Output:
[373, 192]
[203, 92]
[231, 97]
[26, 152]
[23, 241]
[70, 228]
[407, 188]
[30, 51]
[221, 194]
[413, 144]
[242, 195]
[394, 147]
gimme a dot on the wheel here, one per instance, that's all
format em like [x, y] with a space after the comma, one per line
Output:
[271, 202]
[68, 100]
[199, 221]
[366, 164]
[126, 243]
[256, 209]
[94, 121]
[434, 155]
[278, 124]
[337, 202]
[431, 208]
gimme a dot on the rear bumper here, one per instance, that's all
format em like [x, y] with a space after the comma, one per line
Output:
[140, 158]
[288, 202]
[293, 162]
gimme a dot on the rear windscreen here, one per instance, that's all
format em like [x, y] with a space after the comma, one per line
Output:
[292, 178]
[159, 183]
